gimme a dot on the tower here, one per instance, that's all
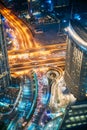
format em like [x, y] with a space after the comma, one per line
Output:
[76, 60]
[4, 67]
[76, 77]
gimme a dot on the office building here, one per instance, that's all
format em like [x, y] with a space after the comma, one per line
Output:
[75, 117]
[75, 77]
[76, 60]
[4, 67]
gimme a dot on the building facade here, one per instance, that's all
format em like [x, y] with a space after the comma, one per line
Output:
[75, 117]
[76, 61]
[4, 67]
[76, 77]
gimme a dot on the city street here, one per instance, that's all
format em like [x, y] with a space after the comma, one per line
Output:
[31, 62]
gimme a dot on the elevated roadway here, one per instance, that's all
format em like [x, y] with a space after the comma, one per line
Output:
[23, 32]
[31, 55]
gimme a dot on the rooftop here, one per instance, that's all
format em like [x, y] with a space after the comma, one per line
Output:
[78, 32]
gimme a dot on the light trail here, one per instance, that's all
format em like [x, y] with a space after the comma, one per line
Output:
[27, 68]
[50, 47]
[29, 50]
[25, 32]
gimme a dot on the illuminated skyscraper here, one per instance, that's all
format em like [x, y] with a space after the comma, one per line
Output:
[76, 61]
[4, 67]
[76, 77]
[75, 117]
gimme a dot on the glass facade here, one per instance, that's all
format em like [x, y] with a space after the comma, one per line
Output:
[76, 64]
[4, 67]
[76, 115]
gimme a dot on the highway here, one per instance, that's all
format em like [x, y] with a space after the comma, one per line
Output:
[26, 49]
[40, 48]
[37, 59]
[39, 53]
[27, 55]
[39, 62]
[23, 32]
[42, 102]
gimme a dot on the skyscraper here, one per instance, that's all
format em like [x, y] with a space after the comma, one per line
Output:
[4, 67]
[76, 60]
[76, 77]
[75, 117]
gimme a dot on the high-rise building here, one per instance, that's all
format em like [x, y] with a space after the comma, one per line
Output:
[76, 60]
[75, 117]
[75, 77]
[4, 67]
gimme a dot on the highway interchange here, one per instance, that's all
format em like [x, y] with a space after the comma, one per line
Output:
[30, 62]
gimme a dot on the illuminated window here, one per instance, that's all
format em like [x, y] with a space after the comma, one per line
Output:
[79, 123]
[74, 124]
[77, 118]
[82, 117]
[68, 126]
[72, 118]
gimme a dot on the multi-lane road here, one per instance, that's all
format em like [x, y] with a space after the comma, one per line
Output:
[26, 55]
[43, 56]
[24, 35]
